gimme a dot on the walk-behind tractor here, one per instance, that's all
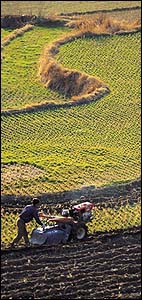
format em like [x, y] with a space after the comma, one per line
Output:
[71, 225]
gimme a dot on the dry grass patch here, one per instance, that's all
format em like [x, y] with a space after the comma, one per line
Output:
[102, 24]
[16, 172]
[71, 83]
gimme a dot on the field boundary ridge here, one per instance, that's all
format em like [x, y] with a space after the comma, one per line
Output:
[101, 11]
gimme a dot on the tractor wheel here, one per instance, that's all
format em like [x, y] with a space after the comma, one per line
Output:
[80, 232]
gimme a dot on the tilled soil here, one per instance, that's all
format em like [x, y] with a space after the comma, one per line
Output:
[104, 266]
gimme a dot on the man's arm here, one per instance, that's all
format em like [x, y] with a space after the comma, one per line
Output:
[36, 217]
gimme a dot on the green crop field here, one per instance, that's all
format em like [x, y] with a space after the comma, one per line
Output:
[20, 66]
[71, 132]
[5, 32]
[67, 148]
[49, 7]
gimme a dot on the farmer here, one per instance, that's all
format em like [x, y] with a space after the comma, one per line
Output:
[27, 215]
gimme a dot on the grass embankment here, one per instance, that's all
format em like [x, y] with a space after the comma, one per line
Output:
[74, 84]
[102, 23]
[70, 83]
[14, 34]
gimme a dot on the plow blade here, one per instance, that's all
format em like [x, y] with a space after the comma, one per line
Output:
[38, 237]
[51, 235]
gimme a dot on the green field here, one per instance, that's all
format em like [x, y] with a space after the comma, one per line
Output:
[97, 143]
[5, 32]
[20, 67]
[44, 8]
[67, 148]
[84, 148]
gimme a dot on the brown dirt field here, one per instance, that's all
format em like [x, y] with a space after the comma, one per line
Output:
[104, 266]
[107, 265]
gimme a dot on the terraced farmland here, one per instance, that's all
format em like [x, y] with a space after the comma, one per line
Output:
[44, 8]
[66, 150]
[97, 143]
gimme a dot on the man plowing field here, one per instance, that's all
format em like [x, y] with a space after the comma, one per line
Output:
[29, 213]
[71, 225]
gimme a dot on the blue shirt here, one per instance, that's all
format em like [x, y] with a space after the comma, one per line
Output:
[29, 213]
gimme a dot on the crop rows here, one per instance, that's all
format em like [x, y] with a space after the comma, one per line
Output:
[105, 266]
[5, 32]
[116, 208]
[63, 149]
[106, 219]
[128, 16]
[67, 149]
[20, 68]
[97, 143]
[36, 8]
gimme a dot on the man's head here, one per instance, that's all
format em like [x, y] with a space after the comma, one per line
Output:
[82, 199]
[36, 202]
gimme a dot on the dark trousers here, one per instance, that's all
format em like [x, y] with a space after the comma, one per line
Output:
[22, 232]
